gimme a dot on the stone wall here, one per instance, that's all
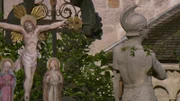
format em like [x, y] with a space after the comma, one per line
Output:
[110, 10]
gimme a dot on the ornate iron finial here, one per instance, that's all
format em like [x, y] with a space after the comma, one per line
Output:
[132, 21]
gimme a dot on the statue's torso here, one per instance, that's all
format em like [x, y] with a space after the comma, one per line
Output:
[134, 69]
[31, 41]
[134, 72]
[54, 78]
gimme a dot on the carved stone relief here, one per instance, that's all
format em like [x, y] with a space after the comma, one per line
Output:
[168, 89]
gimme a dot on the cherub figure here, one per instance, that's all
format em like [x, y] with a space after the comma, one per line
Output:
[7, 80]
[53, 81]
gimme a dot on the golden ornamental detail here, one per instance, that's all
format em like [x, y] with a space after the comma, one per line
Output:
[75, 23]
[19, 11]
[39, 12]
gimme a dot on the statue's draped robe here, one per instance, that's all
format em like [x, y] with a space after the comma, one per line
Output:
[52, 88]
[7, 90]
[26, 59]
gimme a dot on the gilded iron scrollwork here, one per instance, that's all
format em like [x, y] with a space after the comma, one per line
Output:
[66, 10]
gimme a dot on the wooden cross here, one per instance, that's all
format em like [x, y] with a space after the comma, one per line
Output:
[29, 4]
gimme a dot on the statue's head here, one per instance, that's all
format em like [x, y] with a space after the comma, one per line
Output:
[133, 23]
[53, 64]
[28, 22]
[6, 65]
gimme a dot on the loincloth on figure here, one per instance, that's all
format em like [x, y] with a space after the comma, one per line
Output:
[26, 59]
[142, 92]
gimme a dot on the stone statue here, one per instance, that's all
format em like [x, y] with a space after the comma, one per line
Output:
[53, 81]
[7, 80]
[132, 63]
[28, 55]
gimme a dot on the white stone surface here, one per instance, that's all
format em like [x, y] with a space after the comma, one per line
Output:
[8, 6]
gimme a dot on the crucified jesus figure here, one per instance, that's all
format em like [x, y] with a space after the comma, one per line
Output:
[28, 56]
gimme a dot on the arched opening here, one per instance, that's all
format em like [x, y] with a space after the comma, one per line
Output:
[161, 93]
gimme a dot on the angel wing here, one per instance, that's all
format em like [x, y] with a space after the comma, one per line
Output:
[19, 11]
[16, 37]
[39, 12]
[42, 36]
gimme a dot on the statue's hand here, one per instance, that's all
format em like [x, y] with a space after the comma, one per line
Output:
[64, 23]
[61, 82]
[20, 51]
[47, 79]
[39, 55]
[8, 83]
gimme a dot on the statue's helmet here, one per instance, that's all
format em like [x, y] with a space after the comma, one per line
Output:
[132, 21]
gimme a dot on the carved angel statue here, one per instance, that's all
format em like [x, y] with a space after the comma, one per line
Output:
[52, 81]
[135, 70]
[28, 56]
[7, 80]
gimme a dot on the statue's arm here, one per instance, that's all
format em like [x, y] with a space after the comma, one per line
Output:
[12, 81]
[13, 27]
[117, 76]
[159, 72]
[1, 82]
[54, 25]
[46, 77]
[61, 81]
[60, 77]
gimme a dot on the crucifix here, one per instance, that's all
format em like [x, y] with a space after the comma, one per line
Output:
[30, 32]
[29, 5]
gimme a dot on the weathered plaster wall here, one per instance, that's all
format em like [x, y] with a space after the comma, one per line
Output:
[8, 6]
[109, 10]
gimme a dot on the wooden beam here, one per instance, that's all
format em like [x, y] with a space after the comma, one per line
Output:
[29, 4]
[1, 7]
[41, 22]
